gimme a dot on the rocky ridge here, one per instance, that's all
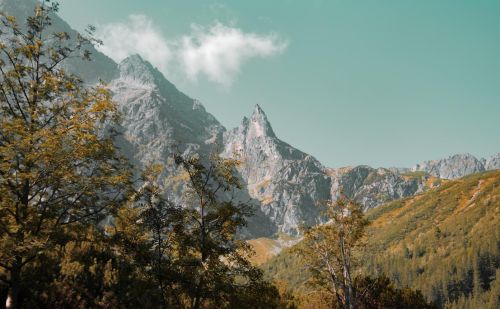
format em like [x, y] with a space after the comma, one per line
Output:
[289, 183]
[372, 187]
[100, 66]
[458, 165]
[158, 119]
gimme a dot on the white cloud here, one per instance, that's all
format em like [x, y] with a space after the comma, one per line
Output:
[220, 51]
[217, 52]
[137, 36]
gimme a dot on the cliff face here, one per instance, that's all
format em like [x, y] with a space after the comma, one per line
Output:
[158, 119]
[492, 163]
[372, 187]
[287, 182]
[458, 165]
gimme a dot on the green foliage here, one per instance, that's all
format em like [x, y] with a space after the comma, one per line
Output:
[151, 256]
[75, 234]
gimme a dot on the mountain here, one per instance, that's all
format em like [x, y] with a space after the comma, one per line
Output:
[492, 163]
[100, 67]
[286, 181]
[443, 242]
[372, 187]
[158, 119]
[458, 165]
[289, 183]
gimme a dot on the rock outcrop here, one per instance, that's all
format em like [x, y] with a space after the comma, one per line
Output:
[458, 165]
[371, 187]
[289, 183]
[492, 163]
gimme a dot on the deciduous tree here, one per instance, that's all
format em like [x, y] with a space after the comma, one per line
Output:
[58, 166]
[216, 261]
[329, 249]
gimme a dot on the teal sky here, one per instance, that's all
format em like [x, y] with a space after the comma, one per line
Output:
[383, 83]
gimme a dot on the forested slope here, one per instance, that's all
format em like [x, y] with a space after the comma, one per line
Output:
[444, 242]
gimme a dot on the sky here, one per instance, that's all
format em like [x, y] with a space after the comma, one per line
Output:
[382, 83]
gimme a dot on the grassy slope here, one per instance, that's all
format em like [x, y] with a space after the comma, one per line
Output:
[440, 242]
[265, 248]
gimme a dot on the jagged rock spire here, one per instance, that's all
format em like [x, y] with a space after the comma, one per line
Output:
[259, 125]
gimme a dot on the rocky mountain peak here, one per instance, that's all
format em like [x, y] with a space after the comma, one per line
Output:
[258, 124]
[284, 180]
[258, 113]
[134, 68]
[492, 163]
[158, 118]
[455, 166]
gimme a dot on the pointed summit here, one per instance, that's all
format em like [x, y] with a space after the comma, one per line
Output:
[135, 58]
[135, 68]
[259, 123]
[258, 110]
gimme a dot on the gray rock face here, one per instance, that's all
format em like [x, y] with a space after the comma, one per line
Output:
[492, 163]
[286, 181]
[289, 183]
[371, 187]
[455, 166]
[158, 119]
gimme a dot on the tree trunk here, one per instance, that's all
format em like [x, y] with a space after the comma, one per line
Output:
[197, 300]
[12, 301]
[348, 289]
